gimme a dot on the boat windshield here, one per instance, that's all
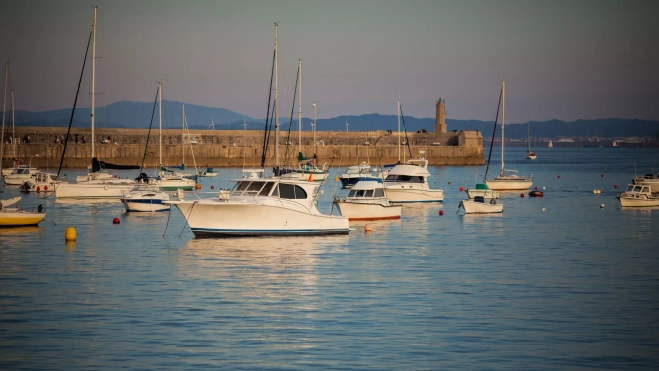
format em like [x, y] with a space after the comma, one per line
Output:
[637, 188]
[404, 178]
[352, 170]
[630, 188]
[366, 193]
[252, 188]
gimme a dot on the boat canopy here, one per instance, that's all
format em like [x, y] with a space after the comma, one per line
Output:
[368, 184]
[409, 170]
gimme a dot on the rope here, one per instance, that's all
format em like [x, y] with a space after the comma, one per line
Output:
[493, 133]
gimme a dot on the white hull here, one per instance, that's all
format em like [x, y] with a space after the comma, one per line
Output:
[315, 176]
[414, 193]
[509, 184]
[145, 205]
[87, 190]
[472, 207]
[208, 175]
[638, 201]
[172, 184]
[368, 211]
[17, 179]
[485, 193]
[215, 218]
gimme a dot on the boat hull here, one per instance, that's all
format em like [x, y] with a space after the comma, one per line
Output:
[17, 179]
[638, 201]
[509, 184]
[411, 195]
[145, 205]
[368, 211]
[175, 184]
[20, 218]
[472, 207]
[316, 176]
[219, 219]
[87, 190]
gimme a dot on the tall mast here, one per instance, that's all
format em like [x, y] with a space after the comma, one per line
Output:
[13, 132]
[4, 108]
[398, 129]
[299, 110]
[93, 77]
[503, 120]
[314, 128]
[183, 135]
[276, 94]
[159, 125]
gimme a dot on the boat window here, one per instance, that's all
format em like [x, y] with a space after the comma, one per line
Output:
[254, 188]
[379, 192]
[352, 171]
[291, 191]
[630, 188]
[266, 189]
[352, 193]
[240, 187]
[645, 189]
[368, 193]
[637, 189]
[404, 178]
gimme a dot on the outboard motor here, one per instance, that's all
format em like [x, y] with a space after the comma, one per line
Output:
[25, 187]
[142, 178]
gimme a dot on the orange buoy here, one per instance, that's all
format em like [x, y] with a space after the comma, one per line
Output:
[441, 212]
[116, 221]
[197, 186]
[521, 195]
[368, 228]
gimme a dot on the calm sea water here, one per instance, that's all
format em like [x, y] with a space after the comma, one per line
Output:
[573, 287]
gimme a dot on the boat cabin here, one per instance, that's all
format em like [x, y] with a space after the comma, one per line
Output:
[367, 189]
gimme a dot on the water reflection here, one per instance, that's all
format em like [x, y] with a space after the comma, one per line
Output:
[20, 231]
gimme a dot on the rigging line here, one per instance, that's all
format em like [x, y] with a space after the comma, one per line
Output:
[334, 156]
[186, 219]
[146, 146]
[290, 122]
[269, 128]
[167, 225]
[265, 131]
[493, 134]
[75, 102]
[407, 141]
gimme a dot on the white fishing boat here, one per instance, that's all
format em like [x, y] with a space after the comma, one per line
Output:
[17, 216]
[409, 183]
[638, 195]
[261, 207]
[367, 200]
[356, 173]
[482, 191]
[480, 206]
[146, 198]
[42, 182]
[19, 176]
[507, 180]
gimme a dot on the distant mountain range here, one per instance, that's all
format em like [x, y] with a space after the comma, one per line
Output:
[138, 115]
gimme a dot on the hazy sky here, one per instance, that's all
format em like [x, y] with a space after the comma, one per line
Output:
[561, 59]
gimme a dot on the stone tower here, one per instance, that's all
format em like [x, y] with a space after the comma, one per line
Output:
[440, 118]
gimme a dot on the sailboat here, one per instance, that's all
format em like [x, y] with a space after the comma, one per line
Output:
[97, 183]
[262, 206]
[307, 167]
[17, 216]
[551, 145]
[530, 155]
[507, 181]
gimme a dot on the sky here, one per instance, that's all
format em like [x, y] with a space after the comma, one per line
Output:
[561, 59]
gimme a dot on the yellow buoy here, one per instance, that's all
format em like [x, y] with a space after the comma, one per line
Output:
[368, 228]
[70, 234]
[197, 186]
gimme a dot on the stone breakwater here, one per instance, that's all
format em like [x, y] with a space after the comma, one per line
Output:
[233, 148]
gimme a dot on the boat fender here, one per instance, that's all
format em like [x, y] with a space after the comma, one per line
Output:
[106, 187]
[493, 202]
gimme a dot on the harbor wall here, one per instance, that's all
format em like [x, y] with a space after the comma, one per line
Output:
[234, 148]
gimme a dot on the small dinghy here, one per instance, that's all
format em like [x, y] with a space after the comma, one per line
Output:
[536, 194]
[479, 206]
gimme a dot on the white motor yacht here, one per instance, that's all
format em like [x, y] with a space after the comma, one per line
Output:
[259, 206]
[367, 200]
[409, 183]
[146, 198]
[638, 195]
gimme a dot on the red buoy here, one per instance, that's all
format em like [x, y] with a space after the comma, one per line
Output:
[441, 212]
[212, 187]
[38, 188]
[536, 188]
[462, 188]
[615, 186]
[116, 176]
[116, 221]
[559, 177]
[521, 195]
[601, 175]
[45, 188]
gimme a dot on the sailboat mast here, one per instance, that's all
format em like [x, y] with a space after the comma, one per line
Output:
[299, 110]
[93, 77]
[13, 132]
[503, 120]
[399, 130]
[159, 125]
[183, 134]
[276, 94]
[4, 108]
[314, 128]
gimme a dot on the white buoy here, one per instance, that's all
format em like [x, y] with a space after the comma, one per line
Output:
[543, 188]
[601, 206]
[322, 191]
[543, 209]
[596, 191]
